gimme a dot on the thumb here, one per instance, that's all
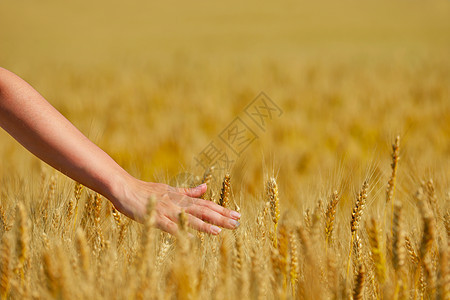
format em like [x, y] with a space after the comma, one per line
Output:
[195, 191]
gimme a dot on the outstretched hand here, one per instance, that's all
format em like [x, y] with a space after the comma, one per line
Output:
[202, 215]
[45, 132]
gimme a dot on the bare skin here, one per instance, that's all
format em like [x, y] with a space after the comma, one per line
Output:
[46, 133]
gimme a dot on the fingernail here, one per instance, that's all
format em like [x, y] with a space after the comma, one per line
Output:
[201, 186]
[235, 215]
[234, 223]
[215, 229]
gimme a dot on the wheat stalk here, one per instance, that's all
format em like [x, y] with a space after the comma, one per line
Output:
[330, 216]
[22, 240]
[3, 220]
[294, 262]
[357, 213]
[443, 289]
[51, 275]
[398, 251]
[375, 248]
[225, 194]
[83, 252]
[5, 267]
[207, 177]
[390, 189]
[428, 238]
[283, 249]
[358, 290]
[274, 202]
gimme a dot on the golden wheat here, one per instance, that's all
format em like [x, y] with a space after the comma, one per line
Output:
[345, 86]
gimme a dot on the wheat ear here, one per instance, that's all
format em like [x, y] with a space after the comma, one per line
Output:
[225, 194]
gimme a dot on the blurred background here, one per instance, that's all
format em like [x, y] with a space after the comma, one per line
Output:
[154, 83]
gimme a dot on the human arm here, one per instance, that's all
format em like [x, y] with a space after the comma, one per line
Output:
[45, 132]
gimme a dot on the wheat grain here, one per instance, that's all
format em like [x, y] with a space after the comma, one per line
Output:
[283, 248]
[357, 213]
[293, 267]
[274, 201]
[207, 177]
[375, 248]
[83, 252]
[22, 239]
[225, 194]
[428, 239]
[51, 275]
[390, 190]
[3, 220]
[5, 267]
[398, 247]
[360, 278]
[411, 252]
[443, 286]
[330, 216]
[358, 209]
[398, 250]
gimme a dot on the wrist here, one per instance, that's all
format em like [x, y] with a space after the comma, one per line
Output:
[118, 187]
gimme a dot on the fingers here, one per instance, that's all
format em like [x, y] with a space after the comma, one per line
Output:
[219, 209]
[203, 215]
[199, 225]
[169, 222]
[193, 192]
[211, 216]
[200, 190]
[167, 225]
[210, 212]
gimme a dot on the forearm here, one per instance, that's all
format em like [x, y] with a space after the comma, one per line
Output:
[40, 128]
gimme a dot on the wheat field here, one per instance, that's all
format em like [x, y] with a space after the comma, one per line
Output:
[344, 189]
